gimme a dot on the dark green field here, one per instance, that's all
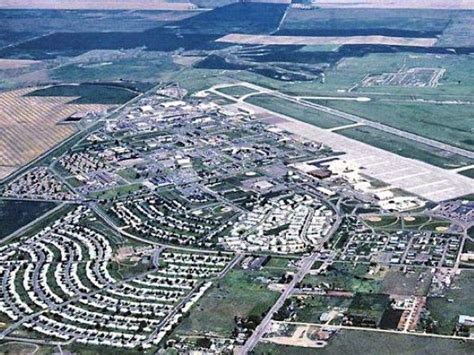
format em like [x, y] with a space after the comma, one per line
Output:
[447, 313]
[16, 214]
[297, 111]
[446, 123]
[90, 93]
[238, 294]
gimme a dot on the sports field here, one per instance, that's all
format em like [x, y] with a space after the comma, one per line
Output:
[29, 126]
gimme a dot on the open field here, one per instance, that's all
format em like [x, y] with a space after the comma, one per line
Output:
[302, 113]
[312, 307]
[345, 78]
[399, 23]
[29, 126]
[98, 5]
[15, 214]
[399, 282]
[107, 94]
[447, 312]
[406, 147]
[313, 40]
[236, 91]
[346, 277]
[373, 343]
[447, 123]
[15, 63]
[238, 294]
[399, 4]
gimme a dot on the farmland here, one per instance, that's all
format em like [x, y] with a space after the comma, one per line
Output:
[103, 5]
[35, 120]
[111, 94]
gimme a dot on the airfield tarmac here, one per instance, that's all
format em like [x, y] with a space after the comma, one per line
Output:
[419, 178]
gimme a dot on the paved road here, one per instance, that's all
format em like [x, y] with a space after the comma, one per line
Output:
[30, 317]
[306, 264]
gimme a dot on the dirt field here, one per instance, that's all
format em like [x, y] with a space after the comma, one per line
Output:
[15, 63]
[98, 5]
[398, 4]
[28, 126]
[312, 40]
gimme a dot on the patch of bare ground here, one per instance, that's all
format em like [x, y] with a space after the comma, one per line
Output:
[398, 4]
[16, 63]
[98, 5]
[313, 40]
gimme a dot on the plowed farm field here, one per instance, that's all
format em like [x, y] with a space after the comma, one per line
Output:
[29, 126]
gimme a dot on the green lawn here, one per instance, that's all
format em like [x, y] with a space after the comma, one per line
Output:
[313, 307]
[117, 191]
[450, 124]
[446, 313]
[346, 277]
[238, 294]
[386, 221]
[406, 147]
[236, 91]
[297, 111]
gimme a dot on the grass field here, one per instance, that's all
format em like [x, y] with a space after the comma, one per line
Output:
[372, 343]
[447, 123]
[238, 294]
[382, 221]
[29, 126]
[314, 306]
[397, 282]
[468, 173]
[370, 306]
[15, 214]
[446, 312]
[346, 277]
[395, 223]
[118, 191]
[141, 66]
[297, 111]
[105, 94]
[236, 91]
[406, 147]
